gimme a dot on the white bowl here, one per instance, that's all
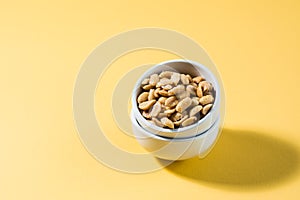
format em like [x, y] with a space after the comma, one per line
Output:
[176, 149]
[187, 67]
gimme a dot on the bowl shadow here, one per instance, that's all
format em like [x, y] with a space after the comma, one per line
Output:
[242, 159]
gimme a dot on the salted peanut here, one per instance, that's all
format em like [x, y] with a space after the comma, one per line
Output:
[162, 100]
[198, 79]
[153, 79]
[166, 74]
[169, 111]
[146, 105]
[195, 101]
[189, 121]
[143, 97]
[157, 122]
[206, 109]
[171, 102]
[194, 84]
[206, 99]
[164, 81]
[163, 93]
[178, 123]
[191, 89]
[151, 94]
[183, 104]
[176, 116]
[147, 87]
[155, 110]
[195, 110]
[146, 114]
[145, 81]
[167, 87]
[199, 92]
[167, 122]
[176, 90]
[156, 94]
[189, 77]
[206, 86]
[161, 115]
[184, 79]
[183, 95]
[175, 78]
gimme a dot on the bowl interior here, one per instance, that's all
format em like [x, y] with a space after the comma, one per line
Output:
[180, 66]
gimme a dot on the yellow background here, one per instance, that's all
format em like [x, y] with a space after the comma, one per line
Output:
[255, 45]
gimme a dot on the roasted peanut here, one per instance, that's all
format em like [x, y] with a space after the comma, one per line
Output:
[175, 78]
[166, 74]
[195, 101]
[156, 108]
[145, 81]
[153, 79]
[143, 97]
[191, 89]
[178, 123]
[146, 114]
[163, 93]
[146, 105]
[206, 109]
[151, 94]
[184, 79]
[206, 99]
[195, 110]
[189, 121]
[171, 102]
[147, 87]
[199, 92]
[198, 79]
[162, 100]
[206, 86]
[167, 122]
[183, 104]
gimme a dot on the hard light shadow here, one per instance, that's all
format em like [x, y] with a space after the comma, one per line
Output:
[242, 159]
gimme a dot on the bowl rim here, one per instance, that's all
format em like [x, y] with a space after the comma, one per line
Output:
[158, 137]
[181, 129]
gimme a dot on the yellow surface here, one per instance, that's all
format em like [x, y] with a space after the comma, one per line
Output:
[255, 45]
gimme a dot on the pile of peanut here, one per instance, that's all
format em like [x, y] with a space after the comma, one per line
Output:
[173, 100]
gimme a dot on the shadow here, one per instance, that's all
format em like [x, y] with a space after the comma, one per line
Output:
[242, 159]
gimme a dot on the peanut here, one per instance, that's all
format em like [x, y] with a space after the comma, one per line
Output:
[183, 104]
[143, 97]
[189, 121]
[206, 86]
[175, 78]
[206, 99]
[195, 110]
[167, 122]
[184, 79]
[166, 74]
[206, 109]
[153, 79]
[191, 89]
[178, 123]
[146, 105]
[151, 94]
[198, 79]
[171, 102]
[156, 108]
